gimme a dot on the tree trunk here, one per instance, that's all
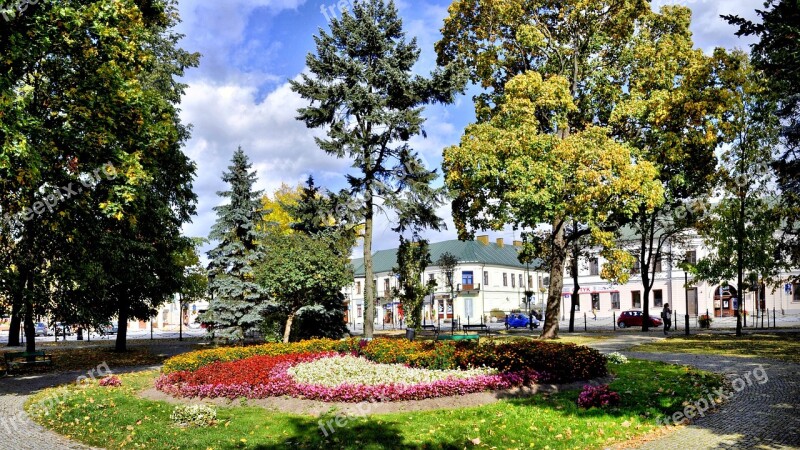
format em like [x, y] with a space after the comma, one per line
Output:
[369, 291]
[180, 317]
[574, 299]
[30, 331]
[122, 327]
[288, 330]
[550, 327]
[14, 326]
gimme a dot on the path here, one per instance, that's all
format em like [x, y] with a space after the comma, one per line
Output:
[759, 416]
[18, 432]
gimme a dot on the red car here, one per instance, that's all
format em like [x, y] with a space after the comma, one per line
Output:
[634, 319]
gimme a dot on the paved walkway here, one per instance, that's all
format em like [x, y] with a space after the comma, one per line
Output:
[763, 416]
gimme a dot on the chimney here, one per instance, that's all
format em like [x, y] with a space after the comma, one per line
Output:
[500, 242]
[518, 244]
[483, 239]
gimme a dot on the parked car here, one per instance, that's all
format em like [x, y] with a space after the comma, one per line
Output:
[517, 320]
[42, 329]
[634, 319]
[108, 328]
[62, 329]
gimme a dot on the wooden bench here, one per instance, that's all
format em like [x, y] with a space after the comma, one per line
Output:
[15, 360]
[429, 330]
[457, 337]
[478, 328]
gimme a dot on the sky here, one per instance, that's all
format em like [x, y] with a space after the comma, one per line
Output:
[240, 95]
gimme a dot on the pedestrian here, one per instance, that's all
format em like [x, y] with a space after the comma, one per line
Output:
[666, 315]
[594, 312]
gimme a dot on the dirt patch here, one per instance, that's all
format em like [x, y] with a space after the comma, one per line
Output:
[317, 408]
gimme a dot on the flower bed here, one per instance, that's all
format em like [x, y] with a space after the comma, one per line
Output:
[353, 370]
[272, 376]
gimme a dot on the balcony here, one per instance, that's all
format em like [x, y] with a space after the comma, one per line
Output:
[469, 288]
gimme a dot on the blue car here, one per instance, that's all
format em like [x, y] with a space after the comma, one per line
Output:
[520, 321]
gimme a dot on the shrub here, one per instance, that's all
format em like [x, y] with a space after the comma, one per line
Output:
[427, 354]
[558, 363]
[112, 381]
[196, 415]
[617, 358]
[597, 396]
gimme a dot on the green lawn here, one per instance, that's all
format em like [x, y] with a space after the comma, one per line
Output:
[118, 418]
[783, 346]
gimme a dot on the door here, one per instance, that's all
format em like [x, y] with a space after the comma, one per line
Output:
[468, 308]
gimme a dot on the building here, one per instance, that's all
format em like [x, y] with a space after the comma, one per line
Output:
[488, 282]
[670, 286]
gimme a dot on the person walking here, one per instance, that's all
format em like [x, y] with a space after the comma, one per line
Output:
[666, 316]
[594, 312]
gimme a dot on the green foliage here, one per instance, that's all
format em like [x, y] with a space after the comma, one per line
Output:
[362, 91]
[238, 301]
[412, 259]
[777, 54]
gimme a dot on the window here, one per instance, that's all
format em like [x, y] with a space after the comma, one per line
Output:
[691, 256]
[432, 277]
[658, 298]
[530, 282]
[636, 299]
[796, 290]
[512, 280]
[358, 287]
[615, 300]
[596, 301]
[386, 287]
[594, 268]
[358, 311]
[485, 278]
[637, 267]
[466, 278]
[658, 264]
[505, 279]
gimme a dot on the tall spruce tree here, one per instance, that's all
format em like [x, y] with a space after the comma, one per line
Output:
[362, 91]
[237, 299]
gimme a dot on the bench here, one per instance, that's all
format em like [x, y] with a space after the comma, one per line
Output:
[429, 330]
[478, 328]
[15, 360]
[457, 337]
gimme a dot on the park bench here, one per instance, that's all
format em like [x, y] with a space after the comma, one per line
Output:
[429, 330]
[457, 337]
[15, 360]
[478, 328]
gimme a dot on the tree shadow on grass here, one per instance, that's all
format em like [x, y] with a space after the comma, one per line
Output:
[307, 433]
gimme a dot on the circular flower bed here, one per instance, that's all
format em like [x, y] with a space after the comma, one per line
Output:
[378, 370]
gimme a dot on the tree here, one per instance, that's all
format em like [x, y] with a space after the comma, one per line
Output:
[508, 170]
[412, 259]
[777, 55]
[568, 55]
[447, 263]
[194, 284]
[742, 226]
[362, 91]
[93, 88]
[298, 270]
[279, 220]
[670, 112]
[237, 300]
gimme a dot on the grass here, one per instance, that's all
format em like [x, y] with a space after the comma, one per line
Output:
[782, 346]
[117, 418]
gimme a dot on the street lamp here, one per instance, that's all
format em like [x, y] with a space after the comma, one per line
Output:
[686, 287]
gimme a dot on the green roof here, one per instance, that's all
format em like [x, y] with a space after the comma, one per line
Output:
[464, 251]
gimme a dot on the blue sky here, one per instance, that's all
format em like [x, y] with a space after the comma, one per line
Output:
[239, 96]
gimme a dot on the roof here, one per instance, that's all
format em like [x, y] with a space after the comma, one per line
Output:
[469, 252]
